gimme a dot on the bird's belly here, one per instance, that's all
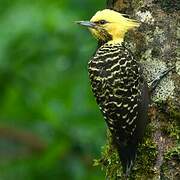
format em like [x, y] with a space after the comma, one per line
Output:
[109, 89]
[113, 96]
[106, 83]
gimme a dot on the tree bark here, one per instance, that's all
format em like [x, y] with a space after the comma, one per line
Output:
[155, 45]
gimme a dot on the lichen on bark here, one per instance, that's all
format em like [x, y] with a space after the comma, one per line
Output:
[155, 45]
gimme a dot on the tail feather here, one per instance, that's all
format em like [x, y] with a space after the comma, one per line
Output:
[127, 156]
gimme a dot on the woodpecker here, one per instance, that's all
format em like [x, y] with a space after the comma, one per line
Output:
[117, 82]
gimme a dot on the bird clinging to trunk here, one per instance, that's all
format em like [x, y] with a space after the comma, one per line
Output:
[117, 82]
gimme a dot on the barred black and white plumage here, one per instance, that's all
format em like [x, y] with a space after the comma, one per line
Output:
[118, 84]
[121, 93]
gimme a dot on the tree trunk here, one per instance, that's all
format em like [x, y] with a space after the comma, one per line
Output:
[155, 45]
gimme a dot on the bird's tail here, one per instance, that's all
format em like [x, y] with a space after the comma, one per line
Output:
[127, 156]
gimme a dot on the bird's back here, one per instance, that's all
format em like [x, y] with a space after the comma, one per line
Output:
[122, 96]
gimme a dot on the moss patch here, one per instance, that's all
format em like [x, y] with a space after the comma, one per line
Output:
[170, 168]
[146, 156]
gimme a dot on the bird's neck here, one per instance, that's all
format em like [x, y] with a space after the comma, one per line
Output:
[116, 41]
[117, 36]
[111, 42]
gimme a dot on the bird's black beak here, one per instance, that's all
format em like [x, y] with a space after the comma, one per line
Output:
[87, 24]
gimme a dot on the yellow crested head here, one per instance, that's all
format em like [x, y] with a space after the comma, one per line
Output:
[109, 26]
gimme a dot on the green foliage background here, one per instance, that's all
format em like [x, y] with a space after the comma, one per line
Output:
[50, 126]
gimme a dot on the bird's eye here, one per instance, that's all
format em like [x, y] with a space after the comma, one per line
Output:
[102, 22]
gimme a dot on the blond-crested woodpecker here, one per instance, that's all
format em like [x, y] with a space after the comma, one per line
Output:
[118, 84]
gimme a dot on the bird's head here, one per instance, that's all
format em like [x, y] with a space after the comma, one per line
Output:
[109, 26]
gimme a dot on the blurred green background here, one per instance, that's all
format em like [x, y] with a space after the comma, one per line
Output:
[50, 125]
